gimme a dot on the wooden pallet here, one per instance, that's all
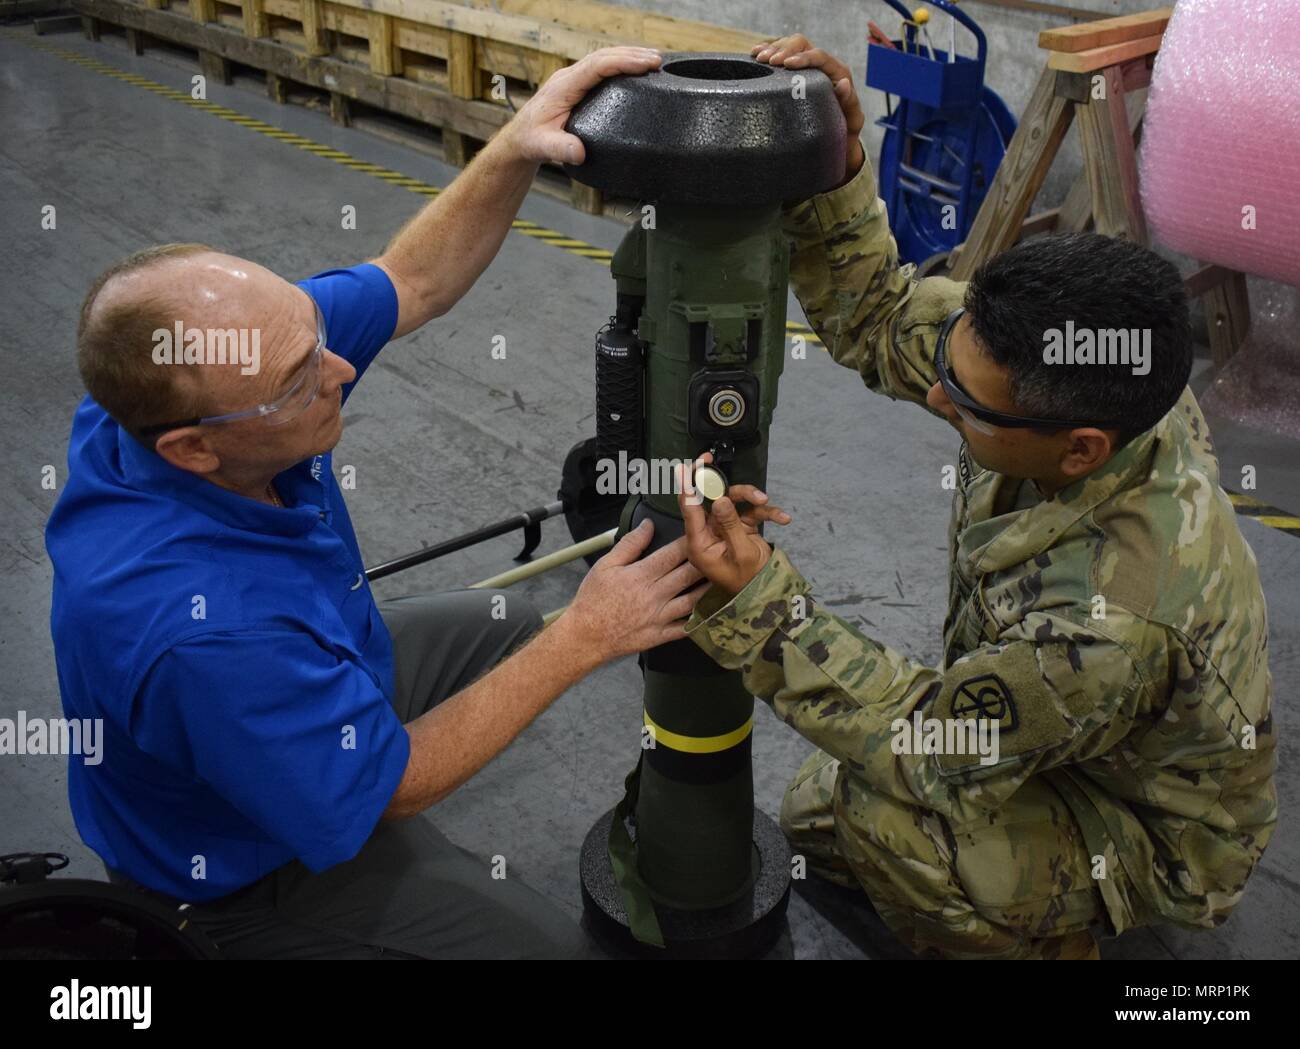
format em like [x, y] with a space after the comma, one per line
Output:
[462, 66]
[1097, 72]
[30, 8]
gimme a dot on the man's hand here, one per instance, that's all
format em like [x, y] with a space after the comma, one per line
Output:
[797, 52]
[439, 254]
[724, 544]
[625, 605]
[537, 130]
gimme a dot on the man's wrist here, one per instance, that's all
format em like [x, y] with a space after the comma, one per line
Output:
[580, 649]
[857, 156]
[509, 142]
[766, 558]
[730, 628]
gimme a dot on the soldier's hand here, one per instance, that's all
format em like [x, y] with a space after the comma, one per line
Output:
[797, 52]
[724, 544]
[628, 603]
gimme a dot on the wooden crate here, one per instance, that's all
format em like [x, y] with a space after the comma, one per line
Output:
[462, 66]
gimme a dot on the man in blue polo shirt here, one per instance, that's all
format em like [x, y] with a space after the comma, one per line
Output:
[267, 728]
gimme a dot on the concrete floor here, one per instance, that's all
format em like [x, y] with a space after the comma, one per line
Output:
[126, 168]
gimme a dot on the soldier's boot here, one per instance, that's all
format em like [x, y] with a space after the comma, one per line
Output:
[1075, 947]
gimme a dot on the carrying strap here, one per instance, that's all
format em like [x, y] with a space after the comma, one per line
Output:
[641, 918]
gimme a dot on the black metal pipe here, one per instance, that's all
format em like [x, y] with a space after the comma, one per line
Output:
[528, 519]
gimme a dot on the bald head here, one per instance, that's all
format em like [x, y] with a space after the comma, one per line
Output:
[229, 304]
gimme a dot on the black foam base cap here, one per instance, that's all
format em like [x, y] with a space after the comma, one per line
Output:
[743, 929]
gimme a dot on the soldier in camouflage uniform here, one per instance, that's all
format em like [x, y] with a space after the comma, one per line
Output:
[1111, 624]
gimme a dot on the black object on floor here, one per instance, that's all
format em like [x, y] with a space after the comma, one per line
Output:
[44, 919]
[744, 929]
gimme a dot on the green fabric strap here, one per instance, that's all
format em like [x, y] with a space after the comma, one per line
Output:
[641, 918]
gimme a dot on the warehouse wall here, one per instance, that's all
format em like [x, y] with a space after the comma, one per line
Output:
[840, 26]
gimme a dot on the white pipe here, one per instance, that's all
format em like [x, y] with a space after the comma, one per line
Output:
[569, 553]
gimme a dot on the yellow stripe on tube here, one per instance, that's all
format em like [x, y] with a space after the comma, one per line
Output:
[699, 744]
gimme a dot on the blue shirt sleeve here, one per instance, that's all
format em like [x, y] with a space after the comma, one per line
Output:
[359, 305]
[301, 743]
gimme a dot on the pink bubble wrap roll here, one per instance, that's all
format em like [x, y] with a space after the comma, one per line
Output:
[1222, 136]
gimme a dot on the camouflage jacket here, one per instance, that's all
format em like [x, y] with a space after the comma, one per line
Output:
[1116, 632]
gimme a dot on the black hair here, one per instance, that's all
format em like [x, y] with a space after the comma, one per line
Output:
[1017, 299]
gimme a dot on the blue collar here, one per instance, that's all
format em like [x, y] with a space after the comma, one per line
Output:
[302, 485]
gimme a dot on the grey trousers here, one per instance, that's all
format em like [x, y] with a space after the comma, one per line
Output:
[409, 892]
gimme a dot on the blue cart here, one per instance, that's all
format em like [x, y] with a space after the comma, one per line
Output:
[944, 139]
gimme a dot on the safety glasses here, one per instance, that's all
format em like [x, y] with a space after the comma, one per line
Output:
[285, 408]
[987, 420]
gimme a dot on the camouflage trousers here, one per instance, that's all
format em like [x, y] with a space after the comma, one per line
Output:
[1015, 884]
